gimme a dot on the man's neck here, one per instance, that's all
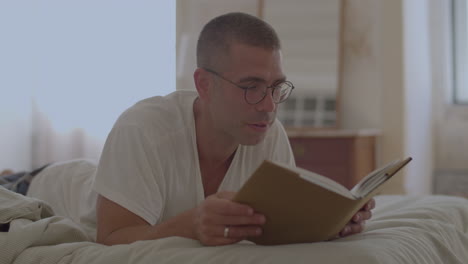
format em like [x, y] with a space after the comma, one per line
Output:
[214, 147]
[215, 150]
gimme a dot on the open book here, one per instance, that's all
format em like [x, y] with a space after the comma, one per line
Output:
[301, 206]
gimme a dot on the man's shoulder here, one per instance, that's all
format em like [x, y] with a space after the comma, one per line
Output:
[170, 102]
[172, 108]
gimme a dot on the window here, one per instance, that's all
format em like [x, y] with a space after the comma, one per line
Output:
[84, 62]
[460, 54]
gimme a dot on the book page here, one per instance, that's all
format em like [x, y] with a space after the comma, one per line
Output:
[377, 177]
[320, 180]
[366, 180]
[371, 184]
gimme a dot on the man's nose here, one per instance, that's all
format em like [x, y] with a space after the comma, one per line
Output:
[267, 104]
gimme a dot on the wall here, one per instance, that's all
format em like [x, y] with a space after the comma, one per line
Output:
[386, 83]
[372, 85]
[360, 75]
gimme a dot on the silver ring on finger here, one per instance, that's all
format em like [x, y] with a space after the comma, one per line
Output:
[226, 231]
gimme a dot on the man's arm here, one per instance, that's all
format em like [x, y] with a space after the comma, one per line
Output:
[206, 223]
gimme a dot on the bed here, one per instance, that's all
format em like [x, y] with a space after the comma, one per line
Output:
[404, 229]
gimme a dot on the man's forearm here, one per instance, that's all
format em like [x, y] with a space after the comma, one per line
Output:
[180, 225]
[215, 221]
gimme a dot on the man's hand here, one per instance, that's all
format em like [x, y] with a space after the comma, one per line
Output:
[219, 221]
[356, 224]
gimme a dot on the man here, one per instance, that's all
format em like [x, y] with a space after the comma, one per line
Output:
[172, 164]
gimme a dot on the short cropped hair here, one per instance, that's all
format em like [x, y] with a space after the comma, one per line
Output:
[218, 34]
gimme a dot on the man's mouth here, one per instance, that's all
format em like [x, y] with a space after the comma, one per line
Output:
[261, 127]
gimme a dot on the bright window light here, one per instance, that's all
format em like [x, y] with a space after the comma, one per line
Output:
[84, 62]
[460, 11]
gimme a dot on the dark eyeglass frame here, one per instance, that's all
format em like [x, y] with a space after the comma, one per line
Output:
[246, 89]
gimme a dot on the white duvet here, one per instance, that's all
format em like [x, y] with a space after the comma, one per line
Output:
[427, 229]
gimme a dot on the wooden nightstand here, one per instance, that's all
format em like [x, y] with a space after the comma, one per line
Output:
[342, 155]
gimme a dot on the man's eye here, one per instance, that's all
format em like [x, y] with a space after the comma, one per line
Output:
[250, 86]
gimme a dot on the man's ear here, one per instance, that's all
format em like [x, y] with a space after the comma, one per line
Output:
[203, 83]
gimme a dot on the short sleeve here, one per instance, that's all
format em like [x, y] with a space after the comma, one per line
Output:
[129, 173]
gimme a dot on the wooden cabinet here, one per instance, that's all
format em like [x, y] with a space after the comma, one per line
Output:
[342, 155]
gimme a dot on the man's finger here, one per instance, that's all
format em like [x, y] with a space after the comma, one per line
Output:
[362, 216]
[350, 229]
[226, 207]
[370, 205]
[366, 215]
[356, 228]
[255, 219]
[239, 232]
[226, 195]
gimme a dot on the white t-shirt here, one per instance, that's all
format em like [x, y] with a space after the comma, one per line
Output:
[150, 165]
[66, 187]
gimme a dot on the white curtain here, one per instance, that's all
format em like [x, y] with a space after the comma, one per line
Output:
[50, 145]
[82, 63]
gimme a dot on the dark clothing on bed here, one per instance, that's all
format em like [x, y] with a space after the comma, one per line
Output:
[19, 182]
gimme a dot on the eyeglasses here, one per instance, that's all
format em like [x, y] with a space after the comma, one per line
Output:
[255, 94]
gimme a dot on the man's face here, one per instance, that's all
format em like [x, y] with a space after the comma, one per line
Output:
[247, 66]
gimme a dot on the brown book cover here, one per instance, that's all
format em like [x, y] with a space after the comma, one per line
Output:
[301, 206]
